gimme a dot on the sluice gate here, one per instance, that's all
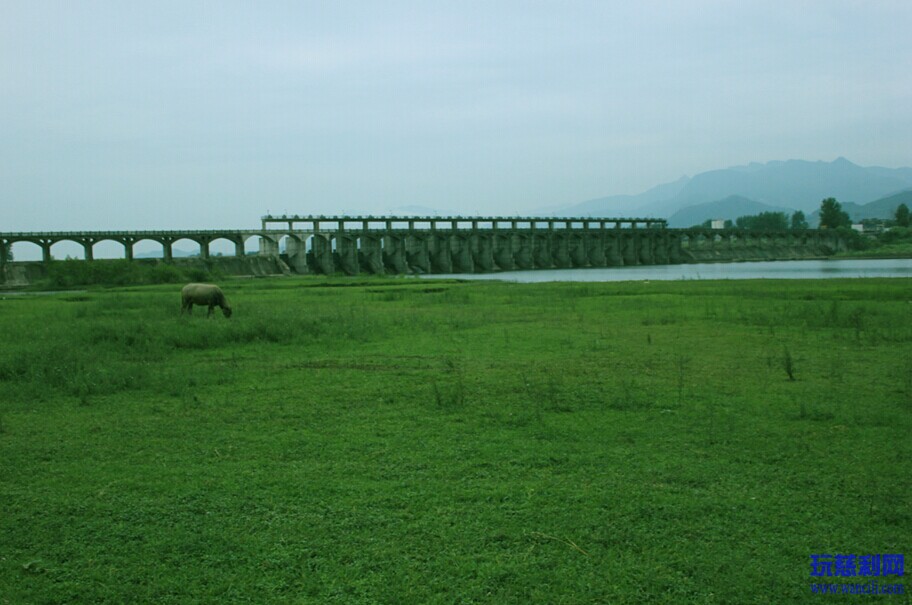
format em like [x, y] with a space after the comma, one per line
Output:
[396, 245]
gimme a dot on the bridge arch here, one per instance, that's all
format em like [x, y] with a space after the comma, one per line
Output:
[26, 250]
[308, 243]
[224, 245]
[68, 248]
[111, 247]
[150, 247]
[290, 244]
[251, 243]
[184, 247]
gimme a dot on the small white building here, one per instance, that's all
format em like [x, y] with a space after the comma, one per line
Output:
[858, 227]
[717, 223]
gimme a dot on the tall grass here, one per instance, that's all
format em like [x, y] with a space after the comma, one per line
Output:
[120, 272]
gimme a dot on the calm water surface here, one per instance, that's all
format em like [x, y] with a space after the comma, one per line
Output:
[797, 269]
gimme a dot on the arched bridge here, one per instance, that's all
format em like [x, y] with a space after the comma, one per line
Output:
[328, 244]
[88, 239]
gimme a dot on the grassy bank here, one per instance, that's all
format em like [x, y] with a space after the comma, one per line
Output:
[72, 273]
[893, 243]
[411, 441]
[894, 250]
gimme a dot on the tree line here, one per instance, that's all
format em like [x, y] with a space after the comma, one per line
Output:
[832, 216]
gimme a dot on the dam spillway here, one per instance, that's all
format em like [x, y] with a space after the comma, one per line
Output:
[429, 245]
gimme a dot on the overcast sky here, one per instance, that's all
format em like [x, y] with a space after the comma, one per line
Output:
[135, 115]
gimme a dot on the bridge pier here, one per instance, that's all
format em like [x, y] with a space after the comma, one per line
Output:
[629, 249]
[45, 249]
[560, 253]
[167, 251]
[503, 246]
[541, 251]
[239, 248]
[675, 254]
[439, 249]
[87, 244]
[394, 254]
[296, 254]
[5, 253]
[127, 243]
[660, 248]
[417, 255]
[347, 250]
[576, 250]
[322, 256]
[482, 252]
[613, 242]
[370, 254]
[461, 254]
[644, 248]
[595, 250]
[268, 246]
[522, 251]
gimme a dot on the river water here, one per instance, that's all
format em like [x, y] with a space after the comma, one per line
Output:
[796, 269]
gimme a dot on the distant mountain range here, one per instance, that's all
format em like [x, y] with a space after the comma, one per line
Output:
[864, 192]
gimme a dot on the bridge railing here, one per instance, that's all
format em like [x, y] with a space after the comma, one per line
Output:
[469, 222]
[348, 223]
[231, 232]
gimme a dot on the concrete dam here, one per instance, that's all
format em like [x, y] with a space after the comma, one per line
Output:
[378, 245]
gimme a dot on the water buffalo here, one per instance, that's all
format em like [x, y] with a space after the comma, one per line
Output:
[204, 294]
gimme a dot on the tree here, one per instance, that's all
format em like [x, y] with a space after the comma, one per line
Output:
[832, 216]
[769, 221]
[902, 216]
[798, 220]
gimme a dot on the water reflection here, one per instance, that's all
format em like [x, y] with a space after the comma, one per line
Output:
[799, 269]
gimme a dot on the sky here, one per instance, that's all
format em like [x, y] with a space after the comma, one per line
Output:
[186, 115]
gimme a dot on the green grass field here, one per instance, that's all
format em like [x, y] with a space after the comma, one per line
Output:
[412, 441]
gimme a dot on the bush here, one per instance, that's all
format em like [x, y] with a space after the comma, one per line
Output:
[119, 272]
[853, 239]
[163, 273]
[895, 235]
